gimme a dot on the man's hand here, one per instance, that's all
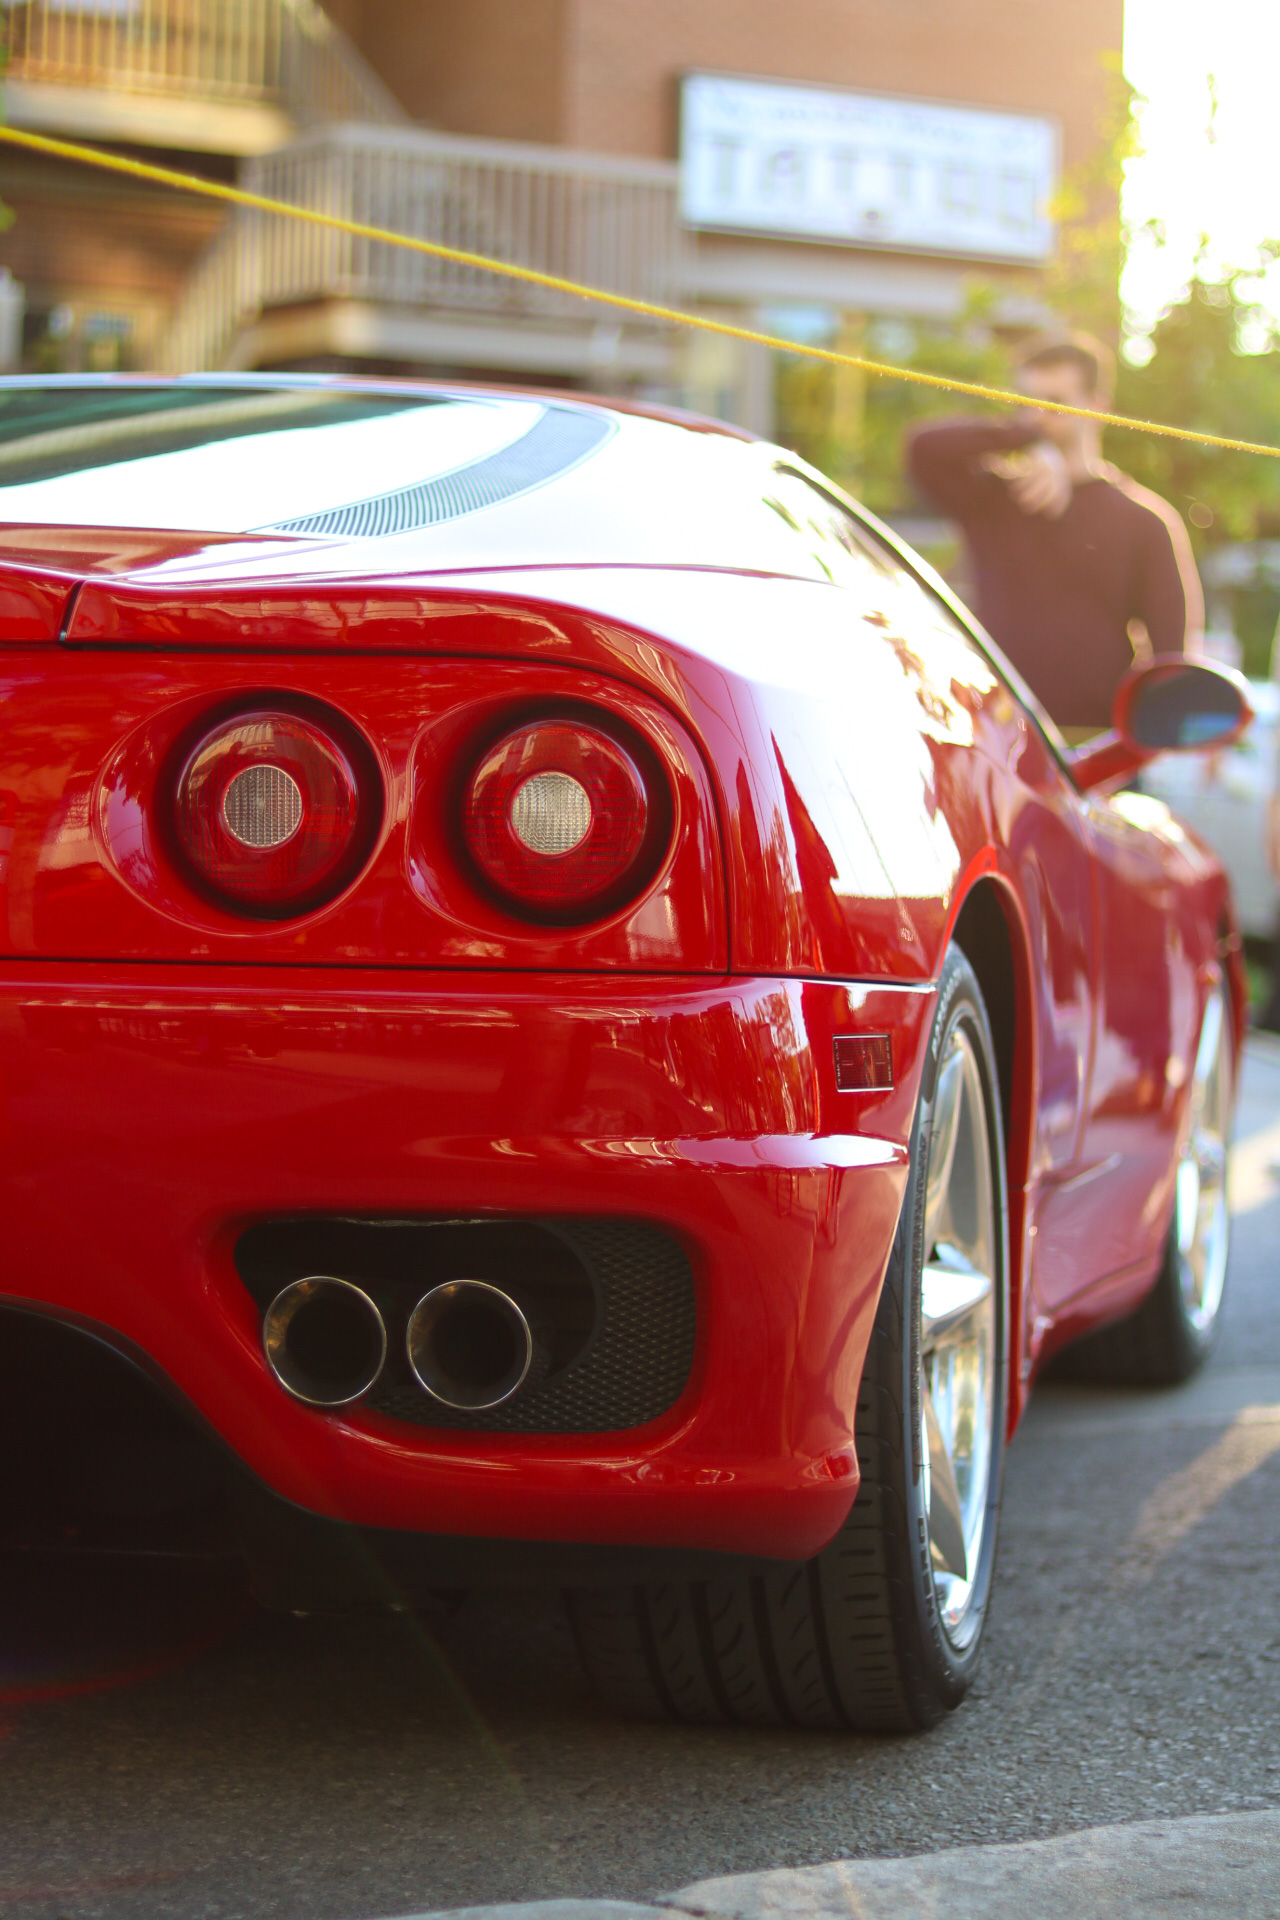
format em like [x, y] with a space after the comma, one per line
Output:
[1042, 483]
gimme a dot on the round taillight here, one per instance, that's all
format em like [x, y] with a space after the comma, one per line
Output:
[269, 814]
[559, 819]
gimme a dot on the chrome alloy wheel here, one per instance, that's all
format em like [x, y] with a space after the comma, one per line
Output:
[958, 1306]
[1202, 1225]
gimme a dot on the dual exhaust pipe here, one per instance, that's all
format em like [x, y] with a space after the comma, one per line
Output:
[469, 1344]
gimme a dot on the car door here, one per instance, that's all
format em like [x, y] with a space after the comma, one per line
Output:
[1007, 783]
[1050, 843]
[1046, 828]
[1030, 804]
[1146, 1000]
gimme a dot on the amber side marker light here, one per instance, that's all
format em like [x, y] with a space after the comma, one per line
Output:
[562, 821]
[864, 1062]
[273, 812]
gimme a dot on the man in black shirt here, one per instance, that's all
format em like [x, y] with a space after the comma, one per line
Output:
[1075, 568]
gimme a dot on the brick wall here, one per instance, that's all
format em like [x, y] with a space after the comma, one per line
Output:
[488, 67]
[623, 61]
[604, 74]
[109, 248]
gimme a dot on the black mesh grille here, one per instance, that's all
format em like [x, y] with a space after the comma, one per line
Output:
[634, 1308]
[554, 443]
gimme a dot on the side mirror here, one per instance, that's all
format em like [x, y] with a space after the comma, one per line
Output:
[1166, 705]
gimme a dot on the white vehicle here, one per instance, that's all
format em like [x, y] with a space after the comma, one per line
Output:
[1223, 796]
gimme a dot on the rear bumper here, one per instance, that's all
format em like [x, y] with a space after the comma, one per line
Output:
[148, 1115]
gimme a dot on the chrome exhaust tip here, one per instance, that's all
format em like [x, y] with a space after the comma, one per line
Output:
[325, 1341]
[470, 1345]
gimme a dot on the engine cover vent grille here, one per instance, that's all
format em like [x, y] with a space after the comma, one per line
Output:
[553, 444]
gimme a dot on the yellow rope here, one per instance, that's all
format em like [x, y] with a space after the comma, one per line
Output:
[625, 303]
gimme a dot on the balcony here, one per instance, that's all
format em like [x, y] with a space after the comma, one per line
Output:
[276, 292]
[226, 76]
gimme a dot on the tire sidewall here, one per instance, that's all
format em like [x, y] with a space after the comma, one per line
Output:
[948, 1663]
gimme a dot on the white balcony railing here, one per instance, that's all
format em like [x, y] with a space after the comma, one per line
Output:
[275, 52]
[591, 218]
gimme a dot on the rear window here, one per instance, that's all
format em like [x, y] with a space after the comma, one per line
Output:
[221, 458]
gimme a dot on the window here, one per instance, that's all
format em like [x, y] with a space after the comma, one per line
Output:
[908, 602]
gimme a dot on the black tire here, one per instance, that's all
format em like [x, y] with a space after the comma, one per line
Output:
[1160, 1344]
[1154, 1347]
[853, 1639]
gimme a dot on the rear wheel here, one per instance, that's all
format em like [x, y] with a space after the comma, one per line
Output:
[880, 1631]
[1172, 1331]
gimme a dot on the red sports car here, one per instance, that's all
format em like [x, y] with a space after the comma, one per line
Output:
[566, 1008]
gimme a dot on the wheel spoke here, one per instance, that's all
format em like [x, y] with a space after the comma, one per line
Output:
[946, 1527]
[943, 1135]
[1210, 1046]
[951, 1292]
[1201, 1228]
[1210, 1153]
[958, 1325]
[1188, 1202]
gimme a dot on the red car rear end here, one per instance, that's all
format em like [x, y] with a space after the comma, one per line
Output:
[551, 989]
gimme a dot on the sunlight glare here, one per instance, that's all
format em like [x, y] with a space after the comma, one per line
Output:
[1226, 189]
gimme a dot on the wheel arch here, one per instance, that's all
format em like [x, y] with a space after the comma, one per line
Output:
[1229, 950]
[990, 933]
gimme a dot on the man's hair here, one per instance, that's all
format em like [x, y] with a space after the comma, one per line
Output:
[1094, 362]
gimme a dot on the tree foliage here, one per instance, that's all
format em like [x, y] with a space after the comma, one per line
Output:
[1082, 283]
[973, 350]
[872, 468]
[1212, 367]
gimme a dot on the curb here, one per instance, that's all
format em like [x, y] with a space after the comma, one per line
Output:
[1208, 1865]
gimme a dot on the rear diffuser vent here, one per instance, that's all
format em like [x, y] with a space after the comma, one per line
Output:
[612, 1302]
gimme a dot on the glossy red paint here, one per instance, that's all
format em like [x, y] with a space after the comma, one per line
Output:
[72, 553]
[1165, 935]
[207, 1098]
[32, 605]
[845, 877]
[41, 567]
[854, 783]
[822, 702]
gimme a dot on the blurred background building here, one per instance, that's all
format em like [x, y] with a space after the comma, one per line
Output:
[923, 180]
[882, 159]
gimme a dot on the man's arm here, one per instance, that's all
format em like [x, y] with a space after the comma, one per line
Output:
[945, 460]
[1170, 600]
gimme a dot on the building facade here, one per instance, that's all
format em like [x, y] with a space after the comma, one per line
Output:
[799, 169]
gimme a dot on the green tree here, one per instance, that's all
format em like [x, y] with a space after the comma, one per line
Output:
[1082, 283]
[1212, 366]
[971, 350]
[1211, 363]
[859, 442]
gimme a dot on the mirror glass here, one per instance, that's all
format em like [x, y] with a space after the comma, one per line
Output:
[1184, 706]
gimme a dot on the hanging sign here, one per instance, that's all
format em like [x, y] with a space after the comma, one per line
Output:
[815, 163]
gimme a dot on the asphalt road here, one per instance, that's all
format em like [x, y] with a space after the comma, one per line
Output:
[167, 1752]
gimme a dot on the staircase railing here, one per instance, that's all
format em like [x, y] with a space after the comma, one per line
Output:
[286, 52]
[607, 222]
